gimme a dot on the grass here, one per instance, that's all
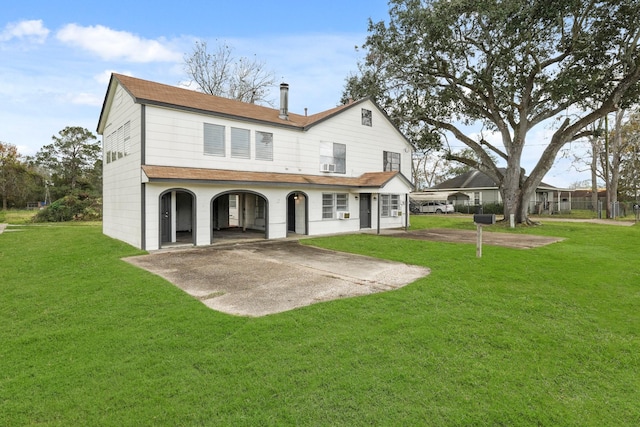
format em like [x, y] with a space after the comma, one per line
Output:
[13, 216]
[547, 336]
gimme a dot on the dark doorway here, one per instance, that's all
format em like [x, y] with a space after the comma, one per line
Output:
[365, 210]
[165, 218]
[239, 215]
[177, 217]
[297, 213]
[291, 214]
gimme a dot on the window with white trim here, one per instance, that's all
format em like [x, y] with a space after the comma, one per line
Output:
[264, 145]
[334, 202]
[391, 161]
[389, 202]
[366, 117]
[240, 143]
[117, 143]
[214, 144]
[332, 153]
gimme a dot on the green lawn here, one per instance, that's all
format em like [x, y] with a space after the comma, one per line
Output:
[541, 337]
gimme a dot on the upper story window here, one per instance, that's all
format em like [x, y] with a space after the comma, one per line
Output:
[240, 143]
[214, 143]
[391, 161]
[264, 146]
[333, 157]
[367, 117]
[117, 143]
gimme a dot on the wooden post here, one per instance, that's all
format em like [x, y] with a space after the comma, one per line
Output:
[479, 241]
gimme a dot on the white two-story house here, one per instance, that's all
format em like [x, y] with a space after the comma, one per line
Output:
[185, 167]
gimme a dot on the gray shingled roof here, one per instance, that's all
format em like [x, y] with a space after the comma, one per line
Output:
[473, 179]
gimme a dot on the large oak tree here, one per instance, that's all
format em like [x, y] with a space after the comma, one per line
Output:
[508, 65]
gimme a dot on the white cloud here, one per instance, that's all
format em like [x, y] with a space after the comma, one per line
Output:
[32, 30]
[111, 44]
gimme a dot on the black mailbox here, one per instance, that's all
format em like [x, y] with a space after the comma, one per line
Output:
[484, 219]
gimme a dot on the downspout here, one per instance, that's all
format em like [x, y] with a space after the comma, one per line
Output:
[406, 212]
[378, 213]
[143, 188]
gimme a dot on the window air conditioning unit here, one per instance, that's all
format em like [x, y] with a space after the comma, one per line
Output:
[327, 167]
[344, 215]
[395, 212]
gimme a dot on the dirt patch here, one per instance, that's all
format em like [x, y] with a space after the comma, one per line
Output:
[519, 241]
[260, 278]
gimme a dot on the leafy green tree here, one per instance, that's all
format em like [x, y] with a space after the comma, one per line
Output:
[629, 185]
[509, 65]
[19, 182]
[9, 172]
[71, 160]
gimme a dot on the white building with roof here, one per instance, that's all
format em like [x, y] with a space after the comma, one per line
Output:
[183, 167]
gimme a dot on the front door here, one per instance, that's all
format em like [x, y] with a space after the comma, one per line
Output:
[165, 217]
[365, 210]
[291, 213]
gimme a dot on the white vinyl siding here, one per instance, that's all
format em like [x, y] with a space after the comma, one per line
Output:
[240, 143]
[214, 140]
[264, 146]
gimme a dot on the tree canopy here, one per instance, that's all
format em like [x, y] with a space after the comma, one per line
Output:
[508, 65]
[218, 73]
[73, 158]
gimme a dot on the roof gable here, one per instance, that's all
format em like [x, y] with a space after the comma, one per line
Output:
[152, 93]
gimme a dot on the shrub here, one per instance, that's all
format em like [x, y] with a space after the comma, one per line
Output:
[72, 207]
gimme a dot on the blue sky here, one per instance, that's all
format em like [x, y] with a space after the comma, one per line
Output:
[56, 56]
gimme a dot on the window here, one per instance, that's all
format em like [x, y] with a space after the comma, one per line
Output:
[388, 203]
[108, 147]
[391, 161]
[476, 198]
[366, 117]
[240, 145]
[120, 142]
[214, 140]
[127, 137]
[117, 143]
[332, 153]
[264, 146]
[261, 208]
[334, 202]
[327, 206]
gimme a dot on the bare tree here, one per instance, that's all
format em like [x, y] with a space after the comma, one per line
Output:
[219, 73]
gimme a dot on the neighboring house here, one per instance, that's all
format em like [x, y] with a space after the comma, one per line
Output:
[183, 166]
[474, 188]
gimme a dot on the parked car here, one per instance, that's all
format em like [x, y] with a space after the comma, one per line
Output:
[436, 207]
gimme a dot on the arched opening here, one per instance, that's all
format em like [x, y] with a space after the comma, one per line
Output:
[297, 218]
[239, 215]
[177, 218]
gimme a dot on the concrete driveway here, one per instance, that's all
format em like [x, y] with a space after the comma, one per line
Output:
[266, 277]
